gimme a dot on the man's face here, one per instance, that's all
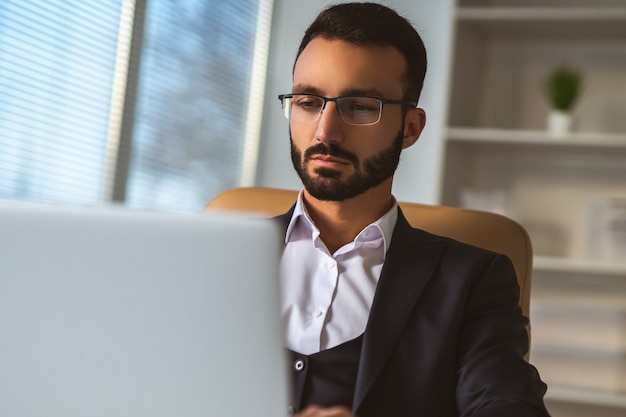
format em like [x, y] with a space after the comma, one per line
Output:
[335, 160]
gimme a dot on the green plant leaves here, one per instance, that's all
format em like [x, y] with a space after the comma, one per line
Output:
[563, 87]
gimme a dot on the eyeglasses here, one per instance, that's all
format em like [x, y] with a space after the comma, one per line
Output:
[357, 111]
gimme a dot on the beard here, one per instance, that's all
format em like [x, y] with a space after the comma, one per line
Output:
[327, 184]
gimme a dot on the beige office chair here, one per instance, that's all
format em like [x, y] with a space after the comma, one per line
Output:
[487, 230]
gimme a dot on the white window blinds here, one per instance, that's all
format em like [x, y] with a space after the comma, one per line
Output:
[56, 70]
[189, 112]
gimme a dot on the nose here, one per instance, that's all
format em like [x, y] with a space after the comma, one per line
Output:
[329, 124]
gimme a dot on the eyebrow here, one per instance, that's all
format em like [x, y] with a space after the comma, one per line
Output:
[308, 89]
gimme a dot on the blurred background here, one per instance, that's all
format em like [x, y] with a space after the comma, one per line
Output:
[162, 104]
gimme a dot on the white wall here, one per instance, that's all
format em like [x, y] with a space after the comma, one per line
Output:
[419, 172]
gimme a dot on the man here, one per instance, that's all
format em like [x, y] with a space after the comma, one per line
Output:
[382, 319]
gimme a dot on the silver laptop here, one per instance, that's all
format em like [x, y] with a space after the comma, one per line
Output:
[110, 312]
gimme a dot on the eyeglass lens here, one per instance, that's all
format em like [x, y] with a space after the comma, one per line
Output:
[353, 110]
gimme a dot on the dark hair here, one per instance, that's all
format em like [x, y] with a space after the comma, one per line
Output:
[366, 24]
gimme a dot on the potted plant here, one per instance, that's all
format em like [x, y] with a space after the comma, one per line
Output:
[562, 88]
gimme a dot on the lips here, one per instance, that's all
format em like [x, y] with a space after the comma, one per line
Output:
[330, 156]
[328, 161]
[326, 158]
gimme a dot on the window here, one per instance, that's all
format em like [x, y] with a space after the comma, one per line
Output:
[56, 70]
[146, 103]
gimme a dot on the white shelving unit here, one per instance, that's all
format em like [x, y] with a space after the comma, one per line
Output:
[499, 156]
[579, 266]
[592, 140]
[580, 396]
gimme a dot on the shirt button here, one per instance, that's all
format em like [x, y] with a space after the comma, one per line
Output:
[298, 365]
[330, 265]
[317, 314]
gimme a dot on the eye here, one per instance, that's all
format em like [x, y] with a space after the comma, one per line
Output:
[360, 105]
[308, 103]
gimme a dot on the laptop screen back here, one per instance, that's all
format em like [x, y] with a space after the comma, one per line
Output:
[107, 312]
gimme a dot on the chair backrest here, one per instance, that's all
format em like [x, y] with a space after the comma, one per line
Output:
[479, 228]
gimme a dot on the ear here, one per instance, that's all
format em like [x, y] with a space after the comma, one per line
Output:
[414, 123]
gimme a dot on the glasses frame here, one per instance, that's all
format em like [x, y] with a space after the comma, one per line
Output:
[382, 101]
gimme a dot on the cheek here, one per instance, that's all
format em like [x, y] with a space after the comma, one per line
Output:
[301, 135]
[373, 142]
[297, 147]
[303, 138]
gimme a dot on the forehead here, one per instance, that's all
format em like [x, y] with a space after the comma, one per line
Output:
[336, 67]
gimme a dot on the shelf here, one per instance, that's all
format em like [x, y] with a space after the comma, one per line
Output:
[496, 141]
[577, 349]
[542, 22]
[536, 137]
[578, 266]
[584, 396]
[555, 14]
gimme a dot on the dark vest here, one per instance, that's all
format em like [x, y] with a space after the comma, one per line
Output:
[325, 378]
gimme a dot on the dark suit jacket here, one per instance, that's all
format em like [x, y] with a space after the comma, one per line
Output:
[446, 335]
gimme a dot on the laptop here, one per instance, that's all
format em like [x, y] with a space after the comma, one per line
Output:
[111, 312]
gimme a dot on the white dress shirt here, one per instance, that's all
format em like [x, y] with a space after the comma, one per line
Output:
[326, 298]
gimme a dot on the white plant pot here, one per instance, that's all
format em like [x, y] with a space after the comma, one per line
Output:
[559, 123]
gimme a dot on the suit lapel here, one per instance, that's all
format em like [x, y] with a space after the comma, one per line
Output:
[283, 219]
[409, 264]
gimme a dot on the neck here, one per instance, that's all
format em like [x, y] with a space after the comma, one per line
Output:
[340, 222]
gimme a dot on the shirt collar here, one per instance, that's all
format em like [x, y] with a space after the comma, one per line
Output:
[385, 224]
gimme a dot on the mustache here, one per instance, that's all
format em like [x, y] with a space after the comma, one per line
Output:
[331, 150]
